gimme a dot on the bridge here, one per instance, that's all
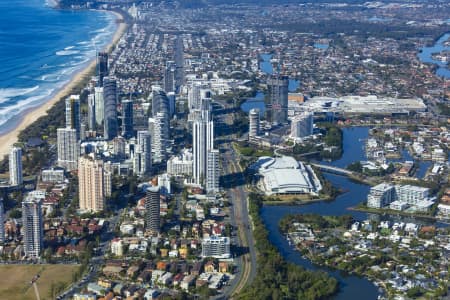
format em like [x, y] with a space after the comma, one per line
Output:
[334, 170]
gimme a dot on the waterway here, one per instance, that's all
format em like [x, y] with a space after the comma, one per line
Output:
[426, 53]
[351, 287]
[258, 101]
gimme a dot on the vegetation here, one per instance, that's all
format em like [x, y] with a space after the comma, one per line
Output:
[444, 108]
[316, 221]
[246, 150]
[276, 278]
[53, 279]
[333, 138]
[328, 190]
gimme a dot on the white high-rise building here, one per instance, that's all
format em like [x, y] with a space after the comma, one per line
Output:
[302, 125]
[68, 148]
[159, 130]
[142, 163]
[213, 172]
[99, 105]
[196, 95]
[253, 117]
[203, 141]
[180, 165]
[15, 166]
[91, 184]
[33, 232]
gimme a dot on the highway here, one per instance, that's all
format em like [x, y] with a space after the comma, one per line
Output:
[234, 184]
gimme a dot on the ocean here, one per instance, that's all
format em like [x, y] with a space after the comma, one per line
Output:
[41, 49]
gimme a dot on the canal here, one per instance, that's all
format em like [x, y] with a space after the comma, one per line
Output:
[352, 287]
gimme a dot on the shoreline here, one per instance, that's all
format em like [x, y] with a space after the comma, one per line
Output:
[8, 139]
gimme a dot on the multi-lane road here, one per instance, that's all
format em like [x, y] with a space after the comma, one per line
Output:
[234, 184]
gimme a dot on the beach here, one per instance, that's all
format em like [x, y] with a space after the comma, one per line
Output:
[9, 138]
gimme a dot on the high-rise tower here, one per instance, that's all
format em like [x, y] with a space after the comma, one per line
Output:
[278, 99]
[91, 184]
[73, 113]
[253, 118]
[127, 119]
[110, 102]
[213, 171]
[102, 67]
[68, 148]
[152, 210]
[33, 233]
[91, 112]
[169, 77]
[99, 105]
[203, 141]
[15, 166]
[143, 155]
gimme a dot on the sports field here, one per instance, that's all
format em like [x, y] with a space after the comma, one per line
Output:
[15, 280]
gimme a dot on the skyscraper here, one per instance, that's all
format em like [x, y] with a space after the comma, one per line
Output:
[73, 113]
[197, 93]
[158, 128]
[253, 117]
[33, 233]
[119, 144]
[91, 184]
[127, 119]
[169, 77]
[15, 166]
[152, 210]
[179, 62]
[278, 99]
[2, 224]
[99, 105]
[110, 102]
[68, 148]
[203, 141]
[160, 102]
[213, 171]
[143, 155]
[302, 125]
[102, 67]
[91, 112]
[172, 98]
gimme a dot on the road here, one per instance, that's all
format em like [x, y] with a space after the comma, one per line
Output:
[239, 198]
[234, 184]
[96, 261]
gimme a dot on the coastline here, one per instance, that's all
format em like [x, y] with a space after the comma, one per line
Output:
[11, 137]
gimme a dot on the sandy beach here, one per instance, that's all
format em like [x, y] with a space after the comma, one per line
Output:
[8, 139]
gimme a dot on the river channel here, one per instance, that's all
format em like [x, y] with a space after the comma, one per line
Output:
[351, 287]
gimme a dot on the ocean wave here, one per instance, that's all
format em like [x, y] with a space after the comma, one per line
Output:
[11, 111]
[53, 77]
[8, 93]
[67, 52]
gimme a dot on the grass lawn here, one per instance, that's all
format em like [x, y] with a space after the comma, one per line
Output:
[15, 280]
